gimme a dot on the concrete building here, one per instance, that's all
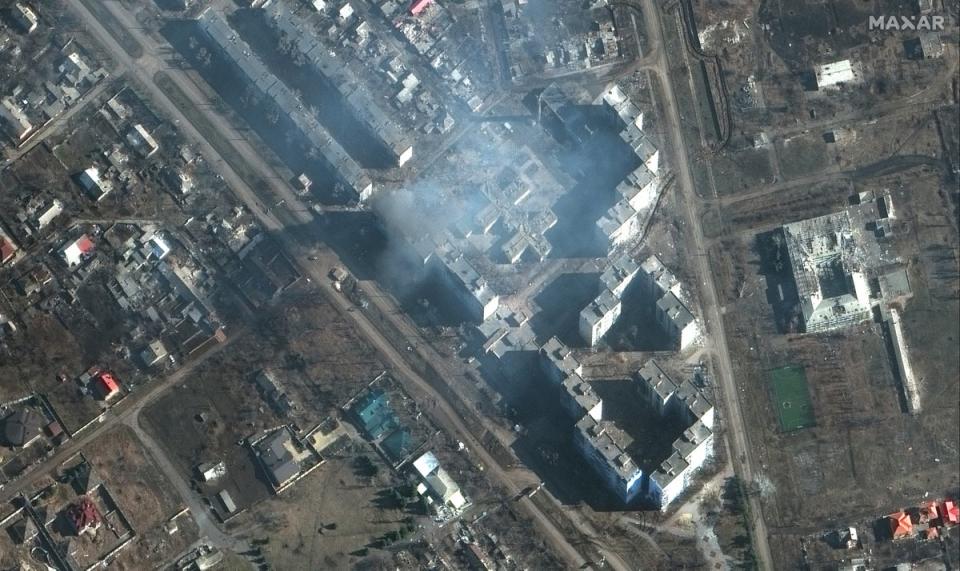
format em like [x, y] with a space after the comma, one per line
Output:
[260, 77]
[280, 456]
[558, 362]
[49, 214]
[826, 256]
[141, 140]
[657, 279]
[619, 225]
[16, 120]
[96, 187]
[379, 120]
[580, 399]
[472, 290]
[211, 471]
[831, 75]
[677, 320]
[598, 317]
[690, 453]
[604, 447]
[24, 16]
[931, 45]
[437, 481]
[561, 116]
[671, 311]
[640, 191]
[155, 352]
[78, 251]
[693, 448]
[621, 273]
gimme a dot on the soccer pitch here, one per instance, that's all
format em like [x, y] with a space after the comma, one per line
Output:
[792, 398]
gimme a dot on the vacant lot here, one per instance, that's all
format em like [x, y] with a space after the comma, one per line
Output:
[333, 518]
[316, 358]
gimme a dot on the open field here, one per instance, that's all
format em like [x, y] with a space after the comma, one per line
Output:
[331, 519]
[315, 357]
[147, 498]
[791, 398]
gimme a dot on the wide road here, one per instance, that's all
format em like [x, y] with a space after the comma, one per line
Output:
[735, 426]
[144, 70]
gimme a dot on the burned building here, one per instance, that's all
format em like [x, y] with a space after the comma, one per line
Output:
[259, 76]
[833, 257]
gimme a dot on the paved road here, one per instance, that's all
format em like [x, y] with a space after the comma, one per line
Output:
[144, 70]
[735, 425]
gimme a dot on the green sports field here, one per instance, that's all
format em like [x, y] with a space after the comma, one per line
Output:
[791, 398]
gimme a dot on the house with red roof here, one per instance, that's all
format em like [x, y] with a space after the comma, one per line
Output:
[7, 249]
[84, 516]
[950, 512]
[900, 524]
[107, 385]
[418, 6]
[78, 251]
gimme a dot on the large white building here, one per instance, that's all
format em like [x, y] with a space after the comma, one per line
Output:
[438, 482]
[472, 290]
[692, 449]
[598, 317]
[604, 447]
[831, 75]
[830, 257]
[671, 309]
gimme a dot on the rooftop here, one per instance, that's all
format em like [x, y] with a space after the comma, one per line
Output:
[600, 307]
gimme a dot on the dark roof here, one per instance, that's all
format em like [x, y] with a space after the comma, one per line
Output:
[398, 445]
[375, 414]
[21, 427]
[278, 459]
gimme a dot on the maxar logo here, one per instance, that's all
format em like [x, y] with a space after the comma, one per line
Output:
[906, 23]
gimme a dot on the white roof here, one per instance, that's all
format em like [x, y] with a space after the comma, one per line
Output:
[426, 464]
[833, 73]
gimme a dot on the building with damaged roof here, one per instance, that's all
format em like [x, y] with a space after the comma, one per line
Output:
[670, 309]
[471, 289]
[604, 447]
[832, 258]
[673, 315]
[580, 399]
[599, 316]
[558, 362]
[620, 274]
[377, 119]
[641, 189]
[260, 77]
